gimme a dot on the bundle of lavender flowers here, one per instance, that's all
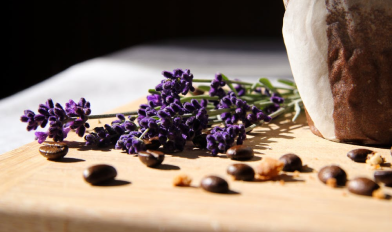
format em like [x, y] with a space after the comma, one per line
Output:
[214, 116]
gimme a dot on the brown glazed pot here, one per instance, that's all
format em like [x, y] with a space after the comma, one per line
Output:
[340, 53]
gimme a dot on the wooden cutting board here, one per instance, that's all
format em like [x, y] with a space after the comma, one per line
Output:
[41, 195]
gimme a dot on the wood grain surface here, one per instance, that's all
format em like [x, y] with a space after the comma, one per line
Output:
[42, 196]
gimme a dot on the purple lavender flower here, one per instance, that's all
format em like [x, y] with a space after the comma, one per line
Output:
[131, 143]
[240, 89]
[177, 82]
[29, 118]
[276, 98]
[154, 100]
[238, 108]
[104, 136]
[216, 86]
[60, 120]
[221, 139]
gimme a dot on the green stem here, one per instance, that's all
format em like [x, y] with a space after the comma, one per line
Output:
[144, 133]
[230, 81]
[199, 97]
[96, 116]
[249, 128]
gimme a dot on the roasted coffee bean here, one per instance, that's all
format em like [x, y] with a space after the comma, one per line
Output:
[383, 177]
[214, 184]
[200, 141]
[359, 155]
[151, 158]
[241, 172]
[99, 173]
[335, 172]
[292, 162]
[240, 152]
[198, 92]
[362, 186]
[53, 150]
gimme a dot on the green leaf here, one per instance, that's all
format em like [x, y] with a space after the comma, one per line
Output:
[264, 81]
[204, 88]
[229, 84]
[287, 82]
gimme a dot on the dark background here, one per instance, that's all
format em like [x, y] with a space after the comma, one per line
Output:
[46, 37]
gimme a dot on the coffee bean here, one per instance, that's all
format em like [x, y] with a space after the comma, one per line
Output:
[240, 152]
[241, 172]
[292, 162]
[99, 173]
[335, 172]
[198, 92]
[383, 177]
[362, 186]
[214, 184]
[359, 155]
[53, 150]
[151, 158]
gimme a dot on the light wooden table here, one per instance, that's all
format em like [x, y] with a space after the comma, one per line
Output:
[40, 195]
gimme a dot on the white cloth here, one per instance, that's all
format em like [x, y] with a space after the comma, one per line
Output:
[119, 78]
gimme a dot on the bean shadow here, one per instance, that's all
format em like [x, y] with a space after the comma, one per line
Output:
[81, 146]
[113, 183]
[230, 192]
[306, 169]
[69, 160]
[167, 167]
[282, 177]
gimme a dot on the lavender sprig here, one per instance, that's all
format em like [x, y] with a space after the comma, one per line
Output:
[173, 118]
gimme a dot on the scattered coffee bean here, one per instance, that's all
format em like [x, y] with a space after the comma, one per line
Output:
[99, 173]
[383, 177]
[53, 150]
[198, 92]
[240, 152]
[359, 155]
[292, 162]
[200, 141]
[241, 172]
[214, 184]
[269, 168]
[335, 172]
[151, 158]
[362, 186]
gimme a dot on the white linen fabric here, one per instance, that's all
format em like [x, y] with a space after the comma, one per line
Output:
[119, 78]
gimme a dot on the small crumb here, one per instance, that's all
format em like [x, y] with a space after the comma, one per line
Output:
[182, 180]
[331, 182]
[344, 194]
[378, 194]
[375, 158]
[269, 168]
[374, 161]
[296, 174]
[281, 182]
[311, 177]
[99, 121]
